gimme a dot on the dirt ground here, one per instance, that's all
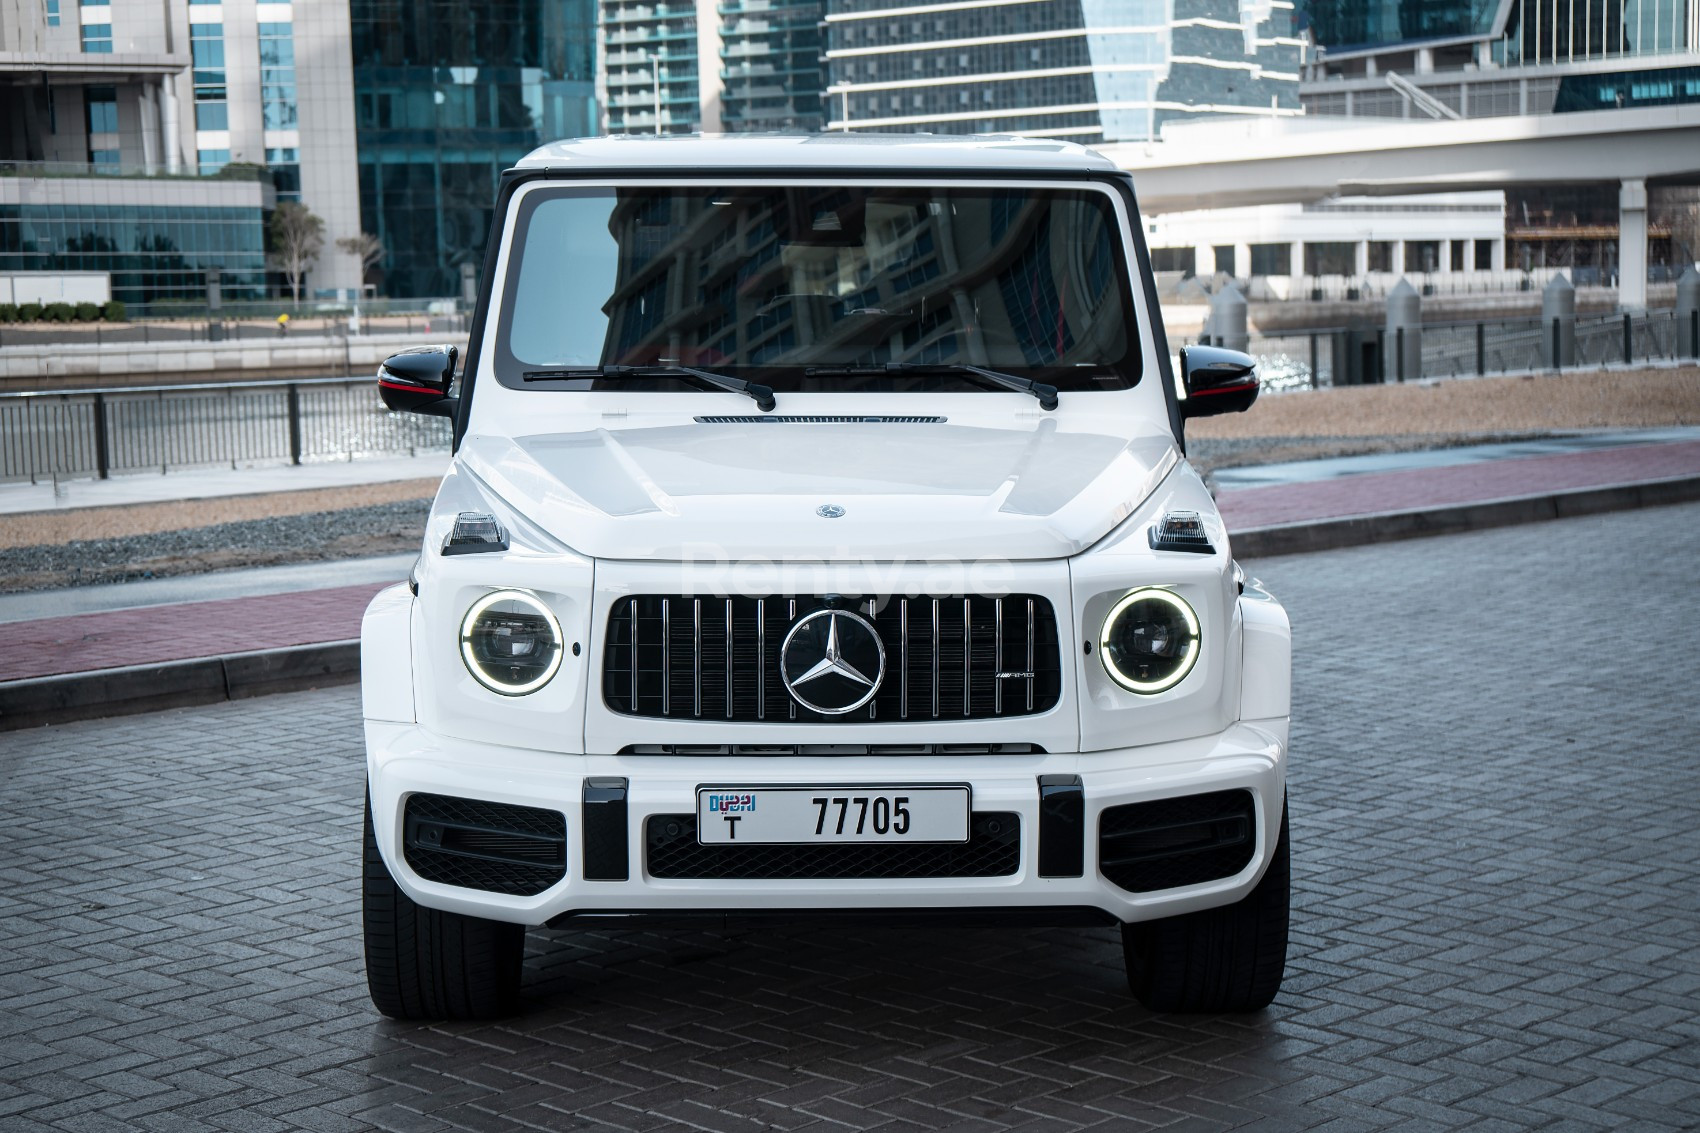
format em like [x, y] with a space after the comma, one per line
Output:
[35, 528]
[1543, 403]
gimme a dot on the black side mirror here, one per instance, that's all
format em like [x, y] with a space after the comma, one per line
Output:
[1217, 381]
[418, 380]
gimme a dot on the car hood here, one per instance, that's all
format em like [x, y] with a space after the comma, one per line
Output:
[769, 490]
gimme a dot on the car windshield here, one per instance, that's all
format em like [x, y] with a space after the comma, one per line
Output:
[818, 287]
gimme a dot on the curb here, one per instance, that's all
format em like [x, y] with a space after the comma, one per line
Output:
[64, 697]
[235, 676]
[1388, 526]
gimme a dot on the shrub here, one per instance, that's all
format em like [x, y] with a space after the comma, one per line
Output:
[114, 312]
[88, 312]
[8, 312]
[57, 312]
[29, 312]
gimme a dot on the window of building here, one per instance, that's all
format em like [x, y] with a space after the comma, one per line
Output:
[285, 166]
[1484, 255]
[101, 106]
[1331, 258]
[212, 160]
[1381, 255]
[100, 120]
[1183, 260]
[97, 39]
[277, 76]
[1422, 255]
[52, 13]
[1459, 247]
[206, 48]
[1224, 254]
[1272, 259]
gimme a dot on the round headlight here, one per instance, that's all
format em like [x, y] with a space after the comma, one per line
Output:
[1149, 641]
[511, 642]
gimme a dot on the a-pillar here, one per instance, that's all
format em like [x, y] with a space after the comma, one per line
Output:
[1632, 246]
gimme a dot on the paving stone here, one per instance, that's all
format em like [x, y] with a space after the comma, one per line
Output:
[1495, 924]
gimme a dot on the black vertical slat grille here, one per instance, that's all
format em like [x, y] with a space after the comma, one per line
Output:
[687, 658]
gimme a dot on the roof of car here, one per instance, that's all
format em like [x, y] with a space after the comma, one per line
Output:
[841, 151]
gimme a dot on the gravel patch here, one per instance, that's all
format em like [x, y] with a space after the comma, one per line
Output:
[375, 529]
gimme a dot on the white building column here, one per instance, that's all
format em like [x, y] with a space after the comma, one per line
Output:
[1360, 259]
[1497, 260]
[1242, 261]
[1632, 246]
[1398, 258]
[1296, 264]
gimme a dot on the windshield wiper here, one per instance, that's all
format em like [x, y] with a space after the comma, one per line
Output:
[763, 395]
[1047, 394]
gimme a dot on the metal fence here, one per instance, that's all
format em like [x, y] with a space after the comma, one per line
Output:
[1329, 356]
[83, 434]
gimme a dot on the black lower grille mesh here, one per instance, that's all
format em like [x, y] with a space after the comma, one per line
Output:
[993, 849]
[496, 847]
[1165, 844]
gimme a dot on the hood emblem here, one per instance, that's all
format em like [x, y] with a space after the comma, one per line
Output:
[829, 511]
[832, 662]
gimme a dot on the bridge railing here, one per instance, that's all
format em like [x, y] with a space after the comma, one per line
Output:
[96, 434]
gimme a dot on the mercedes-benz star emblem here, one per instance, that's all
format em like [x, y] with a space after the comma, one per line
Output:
[832, 662]
[829, 511]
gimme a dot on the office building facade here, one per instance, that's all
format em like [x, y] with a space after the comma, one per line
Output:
[446, 96]
[1085, 70]
[151, 148]
[711, 66]
[770, 65]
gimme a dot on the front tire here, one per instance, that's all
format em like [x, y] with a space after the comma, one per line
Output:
[427, 964]
[1216, 960]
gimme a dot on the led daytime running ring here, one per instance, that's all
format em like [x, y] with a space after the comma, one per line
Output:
[535, 605]
[1174, 601]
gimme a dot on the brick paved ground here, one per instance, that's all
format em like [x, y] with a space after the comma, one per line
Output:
[147, 635]
[1496, 924]
[1463, 483]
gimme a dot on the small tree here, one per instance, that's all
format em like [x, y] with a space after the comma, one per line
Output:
[368, 247]
[296, 237]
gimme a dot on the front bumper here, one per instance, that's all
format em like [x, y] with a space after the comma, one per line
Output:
[404, 759]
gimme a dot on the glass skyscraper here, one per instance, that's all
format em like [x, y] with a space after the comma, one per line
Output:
[447, 95]
[1088, 70]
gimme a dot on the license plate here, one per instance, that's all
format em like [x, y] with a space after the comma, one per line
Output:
[831, 814]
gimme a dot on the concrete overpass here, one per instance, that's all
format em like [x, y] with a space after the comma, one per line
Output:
[1294, 160]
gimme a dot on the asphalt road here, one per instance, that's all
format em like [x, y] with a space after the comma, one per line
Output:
[1496, 922]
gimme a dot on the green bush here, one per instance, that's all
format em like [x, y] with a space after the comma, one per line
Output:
[88, 312]
[29, 312]
[114, 312]
[8, 312]
[58, 312]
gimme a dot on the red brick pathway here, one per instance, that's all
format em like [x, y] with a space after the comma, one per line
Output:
[1374, 492]
[150, 634]
[153, 634]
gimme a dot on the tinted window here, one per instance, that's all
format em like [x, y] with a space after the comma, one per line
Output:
[770, 282]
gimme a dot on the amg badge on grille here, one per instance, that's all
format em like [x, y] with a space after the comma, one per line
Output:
[832, 661]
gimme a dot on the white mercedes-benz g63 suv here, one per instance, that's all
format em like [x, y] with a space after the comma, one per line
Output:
[819, 542]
